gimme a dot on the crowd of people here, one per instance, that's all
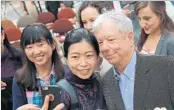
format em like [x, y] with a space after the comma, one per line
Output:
[105, 69]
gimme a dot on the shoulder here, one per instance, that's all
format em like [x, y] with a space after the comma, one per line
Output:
[153, 58]
[17, 87]
[16, 83]
[170, 40]
[165, 60]
[19, 94]
[109, 75]
[168, 36]
[166, 43]
[156, 61]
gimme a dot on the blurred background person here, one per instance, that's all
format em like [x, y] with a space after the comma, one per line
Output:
[11, 60]
[157, 29]
[65, 4]
[128, 9]
[89, 10]
[52, 6]
[43, 67]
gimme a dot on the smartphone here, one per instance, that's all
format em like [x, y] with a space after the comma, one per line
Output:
[55, 91]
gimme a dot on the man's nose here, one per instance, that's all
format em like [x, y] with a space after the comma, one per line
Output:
[105, 46]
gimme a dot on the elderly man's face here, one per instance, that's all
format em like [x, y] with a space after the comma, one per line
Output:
[113, 45]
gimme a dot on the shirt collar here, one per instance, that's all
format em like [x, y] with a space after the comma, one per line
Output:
[130, 69]
[52, 73]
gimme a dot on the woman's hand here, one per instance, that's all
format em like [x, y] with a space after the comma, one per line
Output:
[44, 107]
[28, 107]
[46, 104]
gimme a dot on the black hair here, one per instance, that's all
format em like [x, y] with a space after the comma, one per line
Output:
[101, 6]
[79, 35]
[27, 75]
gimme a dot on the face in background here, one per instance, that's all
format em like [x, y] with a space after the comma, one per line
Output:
[88, 16]
[148, 20]
[82, 59]
[40, 53]
[113, 45]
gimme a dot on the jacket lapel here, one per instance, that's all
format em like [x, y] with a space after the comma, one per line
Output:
[160, 44]
[111, 91]
[141, 82]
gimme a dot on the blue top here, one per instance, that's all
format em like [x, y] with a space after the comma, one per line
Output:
[126, 82]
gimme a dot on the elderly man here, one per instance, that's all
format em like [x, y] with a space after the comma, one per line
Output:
[135, 82]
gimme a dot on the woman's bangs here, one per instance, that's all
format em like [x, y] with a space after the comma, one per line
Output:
[31, 39]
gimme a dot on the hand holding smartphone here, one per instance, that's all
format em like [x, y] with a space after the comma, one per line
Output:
[55, 91]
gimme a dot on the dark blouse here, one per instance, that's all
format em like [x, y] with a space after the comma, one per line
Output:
[9, 65]
[88, 92]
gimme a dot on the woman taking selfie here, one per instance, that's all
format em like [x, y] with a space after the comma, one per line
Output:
[43, 67]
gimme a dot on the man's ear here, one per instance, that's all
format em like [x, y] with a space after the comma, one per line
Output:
[130, 36]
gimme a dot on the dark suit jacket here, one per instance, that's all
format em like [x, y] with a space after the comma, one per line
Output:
[154, 85]
[166, 44]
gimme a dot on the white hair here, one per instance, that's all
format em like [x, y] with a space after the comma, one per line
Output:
[123, 23]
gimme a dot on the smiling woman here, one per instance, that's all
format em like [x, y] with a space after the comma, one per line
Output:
[157, 34]
[89, 10]
[43, 67]
[82, 51]
[82, 61]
